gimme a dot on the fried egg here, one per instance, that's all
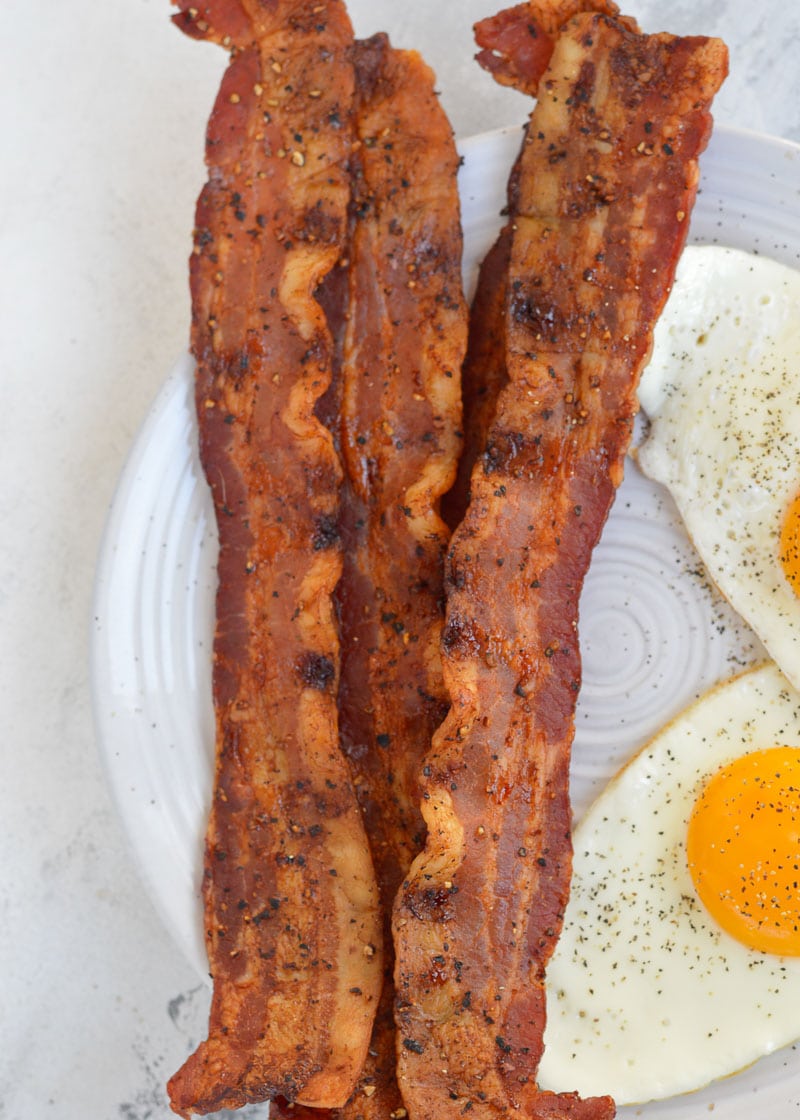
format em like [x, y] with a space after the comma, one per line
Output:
[722, 393]
[679, 959]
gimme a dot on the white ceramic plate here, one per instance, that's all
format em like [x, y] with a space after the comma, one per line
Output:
[653, 633]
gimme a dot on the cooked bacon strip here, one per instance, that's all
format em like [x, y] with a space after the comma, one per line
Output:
[292, 917]
[517, 46]
[607, 178]
[400, 407]
[518, 43]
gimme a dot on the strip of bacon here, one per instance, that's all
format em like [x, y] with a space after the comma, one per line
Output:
[400, 416]
[607, 179]
[517, 46]
[292, 915]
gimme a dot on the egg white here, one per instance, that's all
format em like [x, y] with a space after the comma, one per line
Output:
[722, 393]
[647, 997]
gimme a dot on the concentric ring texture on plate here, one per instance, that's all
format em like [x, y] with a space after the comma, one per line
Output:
[654, 633]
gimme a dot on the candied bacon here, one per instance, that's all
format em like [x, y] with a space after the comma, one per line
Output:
[292, 916]
[606, 181]
[399, 405]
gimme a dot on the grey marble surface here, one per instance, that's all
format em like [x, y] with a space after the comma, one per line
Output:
[104, 108]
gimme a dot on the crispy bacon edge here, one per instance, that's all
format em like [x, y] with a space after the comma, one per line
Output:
[292, 915]
[606, 185]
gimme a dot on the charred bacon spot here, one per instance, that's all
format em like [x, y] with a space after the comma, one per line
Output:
[537, 314]
[585, 83]
[317, 671]
[593, 193]
[459, 638]
[503, 450]
[326, 533]
[431, 904]
[319, 225]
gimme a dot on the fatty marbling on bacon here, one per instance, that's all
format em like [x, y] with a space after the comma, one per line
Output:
[293, 926]
[397, 408]
[604, 186]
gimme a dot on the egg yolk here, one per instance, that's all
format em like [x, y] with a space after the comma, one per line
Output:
[743, 848]
[790, 545]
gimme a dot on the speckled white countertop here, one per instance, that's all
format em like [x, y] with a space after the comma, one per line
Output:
[104, 110]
